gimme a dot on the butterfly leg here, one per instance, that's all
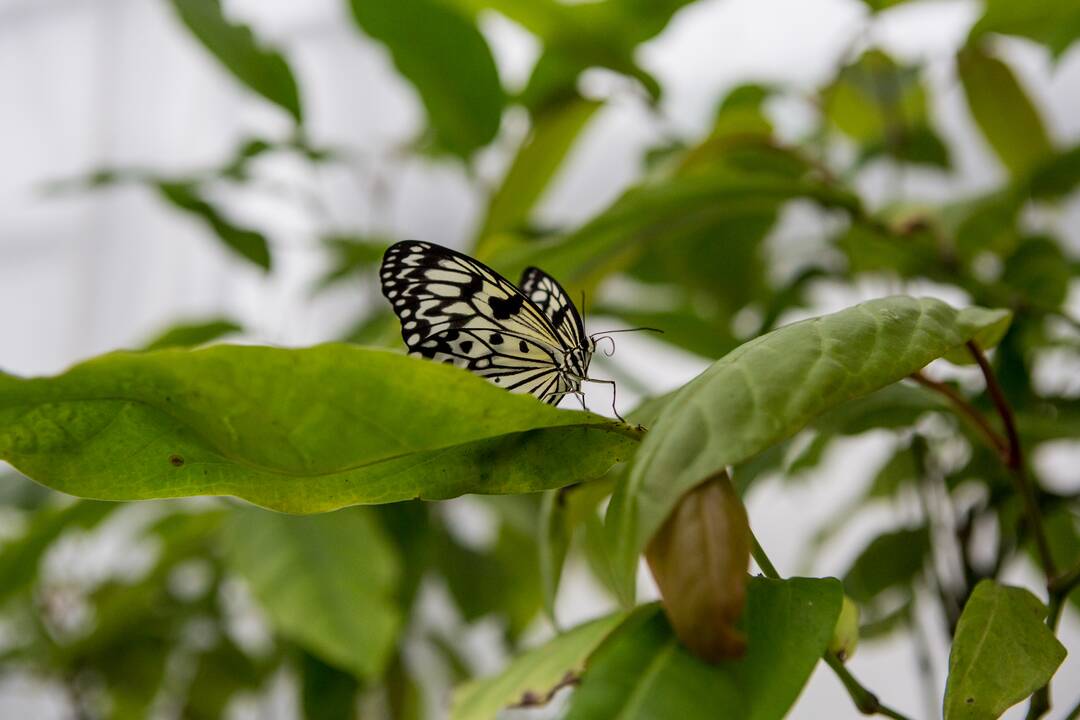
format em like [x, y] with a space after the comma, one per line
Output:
[613, 388]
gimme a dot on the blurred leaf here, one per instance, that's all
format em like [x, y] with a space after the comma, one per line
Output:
[221, 672]
[883, 626]
[1003, 111]
[503, 580]
[326, 693]
[296, 430]
[19, 491]
[989, 223]
[327, 582]
[709, 338]
[1037, 273]
[744, 402]
[642, 671]
[183, 335]
[875, 249]
[20, 557]
[1002, 652]
[264, 71]
[893, 559]
[562, 512]
[899, 470]
[379, 329]
[442, 53]
[882, 106]
[654, 214]
[1059, 176]
[351, 256]
[1063, 533]
[535, 672]
[1054, 23]
[553, 134]
[249, 244]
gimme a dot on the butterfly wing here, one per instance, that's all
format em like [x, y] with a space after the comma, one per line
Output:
[548, 295]
[455, 309]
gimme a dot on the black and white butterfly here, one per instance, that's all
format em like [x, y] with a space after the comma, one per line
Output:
[454, 309]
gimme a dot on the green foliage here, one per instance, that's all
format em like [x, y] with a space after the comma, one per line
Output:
[447, 60]
[268, 425]
[692, 247]
[263, 71]
[1002, 652]
[743, 403]
[641, 671]
[293, 564]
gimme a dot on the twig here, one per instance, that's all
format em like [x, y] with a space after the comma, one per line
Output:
[968, 411]
[866, 701]
[1015, 462]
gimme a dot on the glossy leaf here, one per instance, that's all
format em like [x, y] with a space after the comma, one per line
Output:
[247, 243]
[536, 672]
[327, 582]
[744, 402]
[1002, 652]
[1003, 111]
[642, 671]
[264, 71]
[442, 53]
[295, 430]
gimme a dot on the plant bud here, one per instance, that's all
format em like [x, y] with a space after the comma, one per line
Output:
[699, 559]
[845, 635]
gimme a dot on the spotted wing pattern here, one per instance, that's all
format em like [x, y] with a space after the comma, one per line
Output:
[548, 295]
[457, 310]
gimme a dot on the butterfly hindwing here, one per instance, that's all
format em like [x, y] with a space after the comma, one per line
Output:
[457, 310]
[556, 304]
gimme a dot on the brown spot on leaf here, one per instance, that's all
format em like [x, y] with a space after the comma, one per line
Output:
[176, 461]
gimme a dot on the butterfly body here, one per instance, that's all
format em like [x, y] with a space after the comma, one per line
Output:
[454, 309]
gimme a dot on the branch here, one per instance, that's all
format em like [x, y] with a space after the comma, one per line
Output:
[865, 701]
[1015, 462]
[968, 411]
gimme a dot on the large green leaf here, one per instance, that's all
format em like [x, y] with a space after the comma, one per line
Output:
[1002, 652]
[295, 430]
[264, 71]
[1054, 23]
[442, 53]
[1003, 111]
[536, 672]
[327, 582]
[768, 389]
[642, 672]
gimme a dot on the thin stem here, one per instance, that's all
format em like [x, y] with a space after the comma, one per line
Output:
[1015, 462]
[866, 701]
[968, 411]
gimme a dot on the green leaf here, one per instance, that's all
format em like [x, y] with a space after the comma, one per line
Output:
[191, 334]
[264, 71]
[247, 243]
[1003, 111]
[553, 134]
[20, 557]
[295, 430]
[893, 559]
[326, 693]
[326, 582]
[745, 402]
[535, 672]
[657, 212]
[351, 256]
[1002, 652]
[642, 671]
[1037, 274]
[1058, 176]
[442, 53]
[1054, 23]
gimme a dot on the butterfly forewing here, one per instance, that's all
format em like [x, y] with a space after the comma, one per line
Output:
[455, 309]
[548, 295]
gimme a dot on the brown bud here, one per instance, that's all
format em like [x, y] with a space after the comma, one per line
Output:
[699, 559]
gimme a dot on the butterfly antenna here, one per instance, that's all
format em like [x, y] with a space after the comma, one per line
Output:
[637, 329]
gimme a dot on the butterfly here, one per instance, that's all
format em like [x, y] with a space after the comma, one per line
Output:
[528, 338]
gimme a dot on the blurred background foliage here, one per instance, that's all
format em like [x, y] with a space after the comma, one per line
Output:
[371, 607]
